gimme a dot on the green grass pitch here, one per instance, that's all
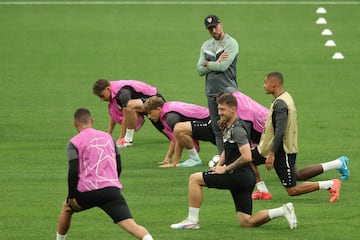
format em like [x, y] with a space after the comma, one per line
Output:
[51, 54]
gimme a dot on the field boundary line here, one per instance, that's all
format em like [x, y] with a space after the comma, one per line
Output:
[175, 3]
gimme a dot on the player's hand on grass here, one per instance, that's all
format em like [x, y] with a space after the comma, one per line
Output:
[168, 165]
[166, 161]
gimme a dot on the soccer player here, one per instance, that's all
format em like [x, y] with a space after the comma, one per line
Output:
[126, 100]
[185, 124]
[251, 112]
[234, 173]
[217, 61]
[278, 148]
[93, 178]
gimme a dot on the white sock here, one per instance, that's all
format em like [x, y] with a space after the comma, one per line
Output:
[335, 164]
[147, 237]
[276, 212]
[60, 237]
[193, 153]
[325, 185]
[262, 187]
[129, 135]
[194, 214]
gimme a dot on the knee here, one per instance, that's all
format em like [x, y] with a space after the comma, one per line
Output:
[180, 138]
[246, 222]
[192, 177]
[181, 130]
[66, 208]
[195, 178]
[128, 109]
[292, 191]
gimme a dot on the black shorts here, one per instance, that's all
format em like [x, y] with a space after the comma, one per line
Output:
[202, 130]
[127, 93]
[240, 182]
[284, 166]
[108, 199]
[255, 136]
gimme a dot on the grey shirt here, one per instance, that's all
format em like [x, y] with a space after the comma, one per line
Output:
[219, 75]
[234, 137]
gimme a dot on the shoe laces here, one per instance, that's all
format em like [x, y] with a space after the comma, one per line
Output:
[332, 191]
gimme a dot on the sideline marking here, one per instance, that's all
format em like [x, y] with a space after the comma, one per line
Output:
[177, 3]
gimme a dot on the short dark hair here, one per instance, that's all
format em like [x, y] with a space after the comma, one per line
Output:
[82, 116]
[276, 75]
[100, 86]
[228, 99]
